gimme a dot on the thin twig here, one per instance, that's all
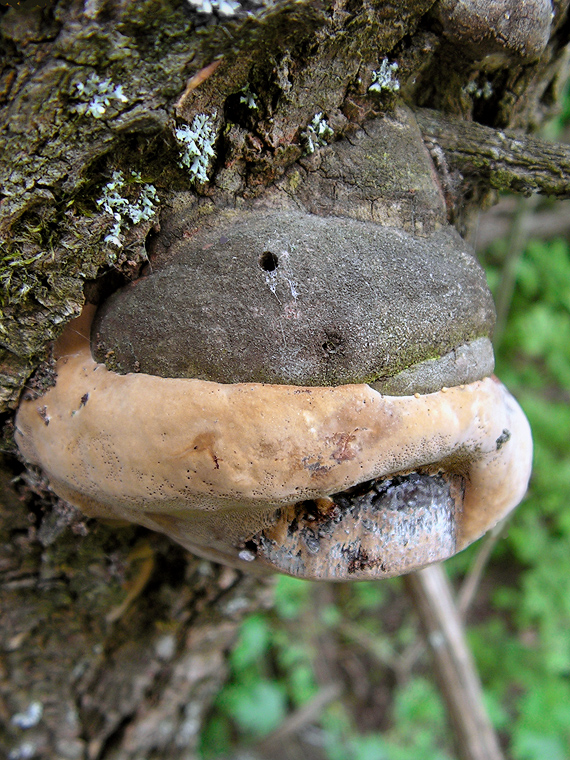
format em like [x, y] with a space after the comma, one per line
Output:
[300, 718]
[453, 664]
[472, 580]
[550, 221]
[464, 598]
[380, 650]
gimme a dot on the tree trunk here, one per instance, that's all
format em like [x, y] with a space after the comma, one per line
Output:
[114, 639]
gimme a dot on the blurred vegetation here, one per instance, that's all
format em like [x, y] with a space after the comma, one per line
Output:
[524, 654]
[364, 638]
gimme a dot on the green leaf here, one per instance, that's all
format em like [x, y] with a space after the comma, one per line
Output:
[291, 595]
[370, 747]
[257, 708]
[531, 746]
[253, 642]
[216, 738]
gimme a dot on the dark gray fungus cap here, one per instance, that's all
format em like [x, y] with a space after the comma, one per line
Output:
[292, 298]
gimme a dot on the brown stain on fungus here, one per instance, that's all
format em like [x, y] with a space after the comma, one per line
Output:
[202, 443]
[344, 451]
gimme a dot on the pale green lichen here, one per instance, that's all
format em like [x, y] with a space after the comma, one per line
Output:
[248, 98]
[197, 146]
[97, 95]
[485, 92]
[385, 78]
[122, 209]
[317, 135]
[221, 7]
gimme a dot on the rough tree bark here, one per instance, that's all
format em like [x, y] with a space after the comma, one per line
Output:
[92, 667]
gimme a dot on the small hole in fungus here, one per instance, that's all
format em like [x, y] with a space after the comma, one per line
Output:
[332, 344]
[268, 261]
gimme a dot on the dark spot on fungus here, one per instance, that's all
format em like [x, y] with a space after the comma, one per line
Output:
[359, 560]
[84, 399]
[332, 343]
[268, 261]
[344, 450]
[42, 411]
[503, 438]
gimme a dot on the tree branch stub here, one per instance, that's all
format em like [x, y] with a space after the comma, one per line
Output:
[506, 160]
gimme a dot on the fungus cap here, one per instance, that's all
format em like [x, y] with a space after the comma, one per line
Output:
[256, 475]
[286, 297]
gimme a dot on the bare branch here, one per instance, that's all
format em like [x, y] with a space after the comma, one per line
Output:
[506, 159]
[453, 664]
[469, 587]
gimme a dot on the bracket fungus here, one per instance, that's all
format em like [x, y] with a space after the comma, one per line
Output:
[330, 479]
[303, 385]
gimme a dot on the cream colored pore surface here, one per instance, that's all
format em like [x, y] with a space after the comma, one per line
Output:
[136, 445]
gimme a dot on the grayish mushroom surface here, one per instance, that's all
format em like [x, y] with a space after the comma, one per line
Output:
[292, 298]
